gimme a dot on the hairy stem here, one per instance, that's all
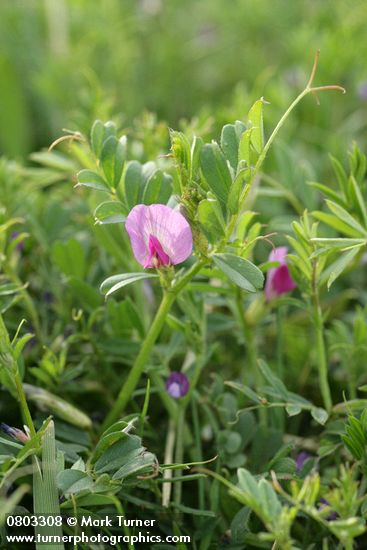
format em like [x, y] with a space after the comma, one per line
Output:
[27, 418]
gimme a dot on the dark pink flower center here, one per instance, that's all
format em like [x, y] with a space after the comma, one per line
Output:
[157, 256]
[282, 280]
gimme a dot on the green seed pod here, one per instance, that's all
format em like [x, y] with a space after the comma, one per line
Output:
[49, 402]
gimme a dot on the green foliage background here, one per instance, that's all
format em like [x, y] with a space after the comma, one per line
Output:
[68, 62]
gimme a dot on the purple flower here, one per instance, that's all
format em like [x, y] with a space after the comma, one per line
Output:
[279, 280]
[177, 385]
[301, 459]
[15, 433]
[159, 235]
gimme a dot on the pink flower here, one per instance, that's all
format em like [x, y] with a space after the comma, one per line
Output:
[159, 235]
[279, 280]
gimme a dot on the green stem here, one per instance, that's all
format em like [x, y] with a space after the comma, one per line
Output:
[280, 417]
[27, 418]
[151, 337]
[179, 453]
[168, 459]
[141, 360]
[320, 344]
[280, 341]
[250, 365]
[322, 360]
[198, 457]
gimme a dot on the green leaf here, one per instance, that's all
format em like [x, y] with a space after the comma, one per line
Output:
[166, 189]
[135, 465]
[196, 147]
[97, 135]
[215, 170]
[341, 263]
[363, 420]
[211, 219]
[245, 390]
[235, 194]
[88, 178]
[86, 501]
[271, 506]
[341, 175]
[240, 271]
[74, 481]
[133, 183]
[354, 447]
[157, 189]
[339, 243]
[45, 493]
[330, 193]
[229, 442]
[100, 133]
[119, 454]
[110, 212]
[336, 223]
[255, 119]
[20, 344]
[358, 199]
[273, 380]
[106, 441]
[244, 149]
[293, 409]
[111, 284]
[320, 415]
[229, 144]
[346, 217]
[113, 157]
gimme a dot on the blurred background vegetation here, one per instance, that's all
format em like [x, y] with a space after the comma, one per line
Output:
[64, 63]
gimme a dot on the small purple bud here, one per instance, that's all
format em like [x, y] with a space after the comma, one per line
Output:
[177, 385]
[278, 280]
[15, 433]
[301, 459]
[325, 504]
